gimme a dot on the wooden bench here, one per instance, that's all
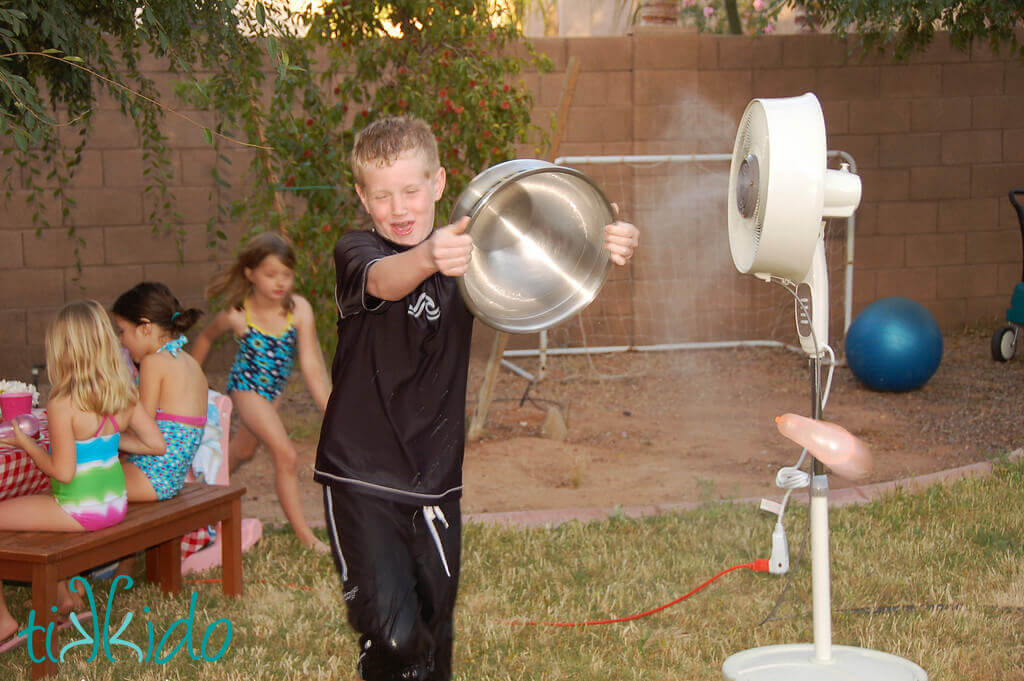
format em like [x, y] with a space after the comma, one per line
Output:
[45, 558]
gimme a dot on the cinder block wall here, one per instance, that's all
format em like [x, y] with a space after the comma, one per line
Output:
[938, 141]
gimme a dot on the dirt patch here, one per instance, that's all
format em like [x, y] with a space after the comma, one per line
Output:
[689, 426]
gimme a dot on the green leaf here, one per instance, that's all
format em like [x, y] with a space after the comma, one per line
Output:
[208, 136]
[21, 139]
[72, 58]
[261, 14]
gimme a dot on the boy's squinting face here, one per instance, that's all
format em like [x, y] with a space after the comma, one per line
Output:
[400, 197]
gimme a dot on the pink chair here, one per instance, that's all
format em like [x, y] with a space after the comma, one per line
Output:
[252, 528]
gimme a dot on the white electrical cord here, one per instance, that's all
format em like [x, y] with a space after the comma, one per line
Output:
[831, 370]
[790, 478]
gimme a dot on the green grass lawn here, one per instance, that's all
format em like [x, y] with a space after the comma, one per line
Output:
[936, 577]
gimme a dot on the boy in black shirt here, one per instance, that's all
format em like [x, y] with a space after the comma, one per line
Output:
[391, 445]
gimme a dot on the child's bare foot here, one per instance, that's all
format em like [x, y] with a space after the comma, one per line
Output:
[316, 545]
[68, 601]
[8, 627]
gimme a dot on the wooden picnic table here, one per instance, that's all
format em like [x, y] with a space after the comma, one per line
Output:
[45, 558]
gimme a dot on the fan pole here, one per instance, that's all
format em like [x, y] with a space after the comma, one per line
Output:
[821, 583]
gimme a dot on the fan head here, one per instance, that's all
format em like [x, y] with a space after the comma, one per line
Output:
[780, 187]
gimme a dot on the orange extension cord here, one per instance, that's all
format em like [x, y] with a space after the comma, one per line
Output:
[759, 565]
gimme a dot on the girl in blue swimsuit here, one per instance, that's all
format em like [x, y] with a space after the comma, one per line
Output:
[151, 324]
[274, 327]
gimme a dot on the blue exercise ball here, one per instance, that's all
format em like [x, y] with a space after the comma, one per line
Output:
[894, 345]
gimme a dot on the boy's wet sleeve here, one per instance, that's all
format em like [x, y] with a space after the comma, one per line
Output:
[353, 256]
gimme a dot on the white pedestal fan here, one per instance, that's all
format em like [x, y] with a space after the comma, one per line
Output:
[780, 189]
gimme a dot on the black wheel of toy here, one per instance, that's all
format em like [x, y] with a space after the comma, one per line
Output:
[1004, 344]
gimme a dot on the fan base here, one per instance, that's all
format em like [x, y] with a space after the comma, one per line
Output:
[796, 662]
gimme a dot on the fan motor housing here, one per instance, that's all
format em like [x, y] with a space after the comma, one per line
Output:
[777, 186]
[748, 185]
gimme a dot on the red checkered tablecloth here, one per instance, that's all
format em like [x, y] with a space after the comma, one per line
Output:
[19, 474]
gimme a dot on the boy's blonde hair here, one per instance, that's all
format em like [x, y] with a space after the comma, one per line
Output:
[84, 361]
[383, 141]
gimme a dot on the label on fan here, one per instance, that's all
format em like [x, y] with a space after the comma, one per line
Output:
[803, 310]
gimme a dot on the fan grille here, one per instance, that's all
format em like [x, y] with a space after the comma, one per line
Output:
[755, 220]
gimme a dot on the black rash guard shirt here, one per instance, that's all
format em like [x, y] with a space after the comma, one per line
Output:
[395, 422]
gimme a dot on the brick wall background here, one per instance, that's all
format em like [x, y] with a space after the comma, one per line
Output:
[938, 141]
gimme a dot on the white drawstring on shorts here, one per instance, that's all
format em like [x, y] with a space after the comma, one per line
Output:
[430, 514]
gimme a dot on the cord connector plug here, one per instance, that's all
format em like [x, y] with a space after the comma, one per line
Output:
[779, 560]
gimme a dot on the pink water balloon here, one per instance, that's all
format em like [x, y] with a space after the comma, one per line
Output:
[833, 445]
[27, 423]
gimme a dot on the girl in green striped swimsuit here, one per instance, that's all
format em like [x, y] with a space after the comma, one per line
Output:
[93, 411]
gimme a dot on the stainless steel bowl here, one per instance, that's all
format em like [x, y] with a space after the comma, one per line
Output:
[538, 244]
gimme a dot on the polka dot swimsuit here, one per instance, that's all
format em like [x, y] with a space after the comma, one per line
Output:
[182, 434]
[263, 361]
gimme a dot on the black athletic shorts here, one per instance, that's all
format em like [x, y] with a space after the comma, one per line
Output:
[399, 596]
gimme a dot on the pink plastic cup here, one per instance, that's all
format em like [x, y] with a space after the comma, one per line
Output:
[15, 404]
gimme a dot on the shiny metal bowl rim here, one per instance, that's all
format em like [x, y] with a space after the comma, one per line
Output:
[474, 211]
